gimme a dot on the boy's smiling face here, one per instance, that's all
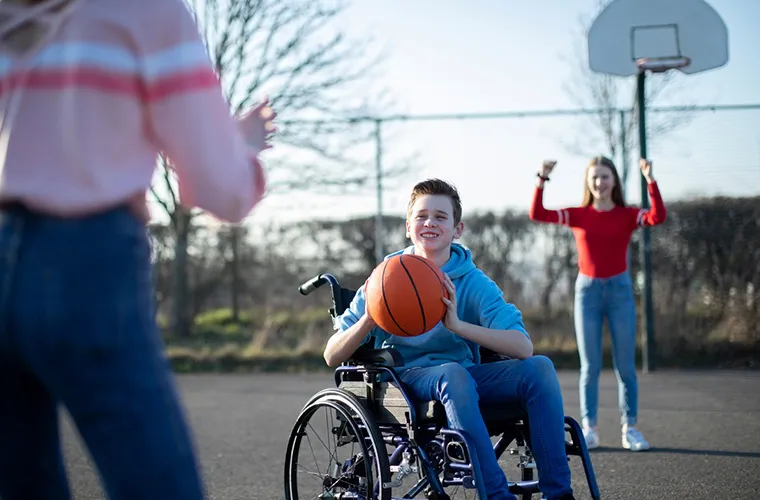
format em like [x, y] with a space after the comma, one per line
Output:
[430, 224]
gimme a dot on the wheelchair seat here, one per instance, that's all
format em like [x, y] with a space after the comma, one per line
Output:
[391, 407]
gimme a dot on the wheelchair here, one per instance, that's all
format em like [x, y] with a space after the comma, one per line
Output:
[378, 444]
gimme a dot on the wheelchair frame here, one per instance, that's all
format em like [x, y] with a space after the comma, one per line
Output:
[387, 416]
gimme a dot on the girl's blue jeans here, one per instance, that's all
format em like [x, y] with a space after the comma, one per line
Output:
[597, 299]
[77, 329]
[531, 383]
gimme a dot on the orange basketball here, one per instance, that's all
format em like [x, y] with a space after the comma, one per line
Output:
[404, 295]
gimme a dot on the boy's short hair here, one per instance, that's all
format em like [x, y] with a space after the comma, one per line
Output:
[436, 187]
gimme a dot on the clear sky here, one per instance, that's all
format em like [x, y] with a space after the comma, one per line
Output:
[449, 56]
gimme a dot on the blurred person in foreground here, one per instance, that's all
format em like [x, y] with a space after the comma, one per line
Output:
[90, 92]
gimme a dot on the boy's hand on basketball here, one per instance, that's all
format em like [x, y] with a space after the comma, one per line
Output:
[646, 169]
[257, 126]
[451, 319]
[367, 318]
[368, 321]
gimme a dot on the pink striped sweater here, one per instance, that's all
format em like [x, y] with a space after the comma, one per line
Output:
[86, 111]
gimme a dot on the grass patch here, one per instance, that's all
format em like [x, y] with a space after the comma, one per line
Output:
[288, 341]
[229, 360]
[233, 359]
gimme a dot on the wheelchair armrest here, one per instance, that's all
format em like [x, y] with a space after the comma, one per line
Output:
[387, 357]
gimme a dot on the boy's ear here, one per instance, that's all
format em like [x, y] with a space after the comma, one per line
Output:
[458, 230]
[406, 223]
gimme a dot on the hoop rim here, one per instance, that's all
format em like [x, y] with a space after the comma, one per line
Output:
[662, 64]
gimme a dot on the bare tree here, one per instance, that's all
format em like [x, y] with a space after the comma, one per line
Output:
[559, 265]
[316, 78]
[606, 132]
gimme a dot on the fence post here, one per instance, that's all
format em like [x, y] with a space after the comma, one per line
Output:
[625, 168]
[379, 244]
[624, 165]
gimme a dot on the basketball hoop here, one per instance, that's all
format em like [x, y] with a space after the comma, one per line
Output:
[662, 64]
[633, 37]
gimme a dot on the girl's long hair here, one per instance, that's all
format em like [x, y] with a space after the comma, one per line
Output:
[617, 191]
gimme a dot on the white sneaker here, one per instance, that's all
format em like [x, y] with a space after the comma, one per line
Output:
[633, 440]
[591, 437]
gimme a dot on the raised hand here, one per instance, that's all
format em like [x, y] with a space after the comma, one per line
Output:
[547, 167]
[257, 126]
[646, 169]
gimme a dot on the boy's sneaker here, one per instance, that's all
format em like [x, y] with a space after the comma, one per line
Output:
[633, 440]
[592, 438]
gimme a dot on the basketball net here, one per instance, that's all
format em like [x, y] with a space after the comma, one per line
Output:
[662, 64]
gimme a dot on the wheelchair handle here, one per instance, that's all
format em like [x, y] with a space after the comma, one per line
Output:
[335, 290]
[312, 284]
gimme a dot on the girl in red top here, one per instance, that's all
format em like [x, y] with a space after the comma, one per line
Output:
[602, 227]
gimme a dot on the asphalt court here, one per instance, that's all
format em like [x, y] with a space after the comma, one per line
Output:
[704, 427]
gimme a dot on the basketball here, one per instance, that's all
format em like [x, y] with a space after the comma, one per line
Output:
[404, 295]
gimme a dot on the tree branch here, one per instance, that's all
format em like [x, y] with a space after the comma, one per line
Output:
[296, 51]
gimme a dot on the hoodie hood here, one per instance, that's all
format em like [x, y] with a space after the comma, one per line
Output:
[459, 264]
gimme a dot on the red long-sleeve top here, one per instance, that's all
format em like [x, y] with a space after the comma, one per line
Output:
[601, 237]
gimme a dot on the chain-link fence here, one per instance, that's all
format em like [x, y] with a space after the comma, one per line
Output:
[704, 258]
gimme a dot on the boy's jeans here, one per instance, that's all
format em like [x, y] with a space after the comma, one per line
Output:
[531, 383]
[77, 328]
[595, 299]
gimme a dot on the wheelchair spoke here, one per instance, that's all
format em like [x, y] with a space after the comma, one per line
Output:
[312, 452]
[317, 475]
[329, 425]
[333, 456]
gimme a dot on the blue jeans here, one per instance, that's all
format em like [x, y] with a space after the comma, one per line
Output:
[77, 328]
[595, 300]
[531, 383]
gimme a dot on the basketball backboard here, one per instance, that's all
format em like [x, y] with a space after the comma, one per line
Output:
[685, 34]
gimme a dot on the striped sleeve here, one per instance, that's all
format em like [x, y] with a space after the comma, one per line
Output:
[641, 214]
[563, 216]
[647, 217]
[538, 213]
[190, 120]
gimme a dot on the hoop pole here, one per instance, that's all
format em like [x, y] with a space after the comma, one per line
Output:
[648, 348]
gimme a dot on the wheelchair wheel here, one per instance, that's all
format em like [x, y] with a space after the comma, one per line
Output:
[336, 451]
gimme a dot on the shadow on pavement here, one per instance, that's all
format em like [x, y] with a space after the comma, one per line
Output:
[683, 451]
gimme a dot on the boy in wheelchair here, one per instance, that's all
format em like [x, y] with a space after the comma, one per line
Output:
[444, 364]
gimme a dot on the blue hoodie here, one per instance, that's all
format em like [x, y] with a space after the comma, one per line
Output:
[479, 301]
